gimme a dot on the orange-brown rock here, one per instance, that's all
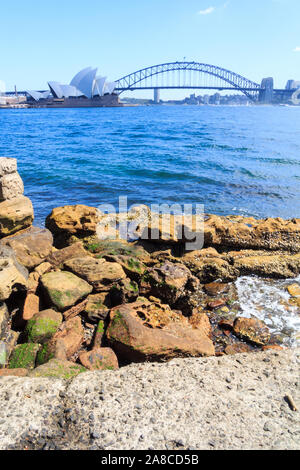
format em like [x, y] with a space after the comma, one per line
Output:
[59, 257]
[33, 282]
[272, 346]
[150, 331]
[216, 303]
[31, 306]
[31, 246]
[15, 214]
[252, 330]
[99, 359]
[294, 290]
[237, 348]
[71, 336]
[13, 372]
[247, 232]
[99, 273]
[216, 288]
[209, 268]
[170, 229]
[76, 220]
[200, 321]
[275, 266]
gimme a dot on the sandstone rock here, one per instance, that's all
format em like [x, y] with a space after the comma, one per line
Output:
[71, 336]
[4, 318]
[12, 274]
[76, 220]
[277, 266]
[209, 268]
[97, 306]
[59, 257]
[59, 369]
[252, 329]
[7, 344]
[200, 321]
[124, 291]
[237, 348]
[144, 331]
[170, 229]
[99, 335]
[99, 359]
[31, 247]
[108, 248]
[11, 186]
[294, 290]
[7, 166]
[169, 281]
[13, 372]
[15, 214]
[133, 267]
[42, 326]
[99, 273]
[272, 346]
[216, 288]
[247, 232]
[23, 356]
[31, 306]
[63, 289]
[33, 282]
[43, 268]
[216, 303]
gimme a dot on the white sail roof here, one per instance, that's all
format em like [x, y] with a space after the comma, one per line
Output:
[87, 82]
[79, 76]
[109, 87]
[99, 84]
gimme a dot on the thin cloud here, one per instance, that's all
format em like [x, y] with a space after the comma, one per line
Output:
[207, 11]
[297, 49]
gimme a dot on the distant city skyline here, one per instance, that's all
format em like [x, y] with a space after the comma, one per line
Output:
[43, 42]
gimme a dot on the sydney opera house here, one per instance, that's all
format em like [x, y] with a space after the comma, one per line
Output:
[86, 89]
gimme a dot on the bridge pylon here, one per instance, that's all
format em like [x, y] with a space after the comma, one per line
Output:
[156, 95]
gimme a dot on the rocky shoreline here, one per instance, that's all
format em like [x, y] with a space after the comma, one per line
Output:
[72, 302]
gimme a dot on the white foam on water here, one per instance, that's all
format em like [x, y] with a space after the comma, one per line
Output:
[268, 300]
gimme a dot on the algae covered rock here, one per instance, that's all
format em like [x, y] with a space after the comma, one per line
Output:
[24, 356]
[63, 289]
[97, 306]
[42, 326]
[59, 369]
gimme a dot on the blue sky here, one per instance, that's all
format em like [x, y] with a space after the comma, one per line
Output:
[51, 40]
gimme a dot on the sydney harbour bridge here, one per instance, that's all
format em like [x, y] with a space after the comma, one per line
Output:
[200, 76]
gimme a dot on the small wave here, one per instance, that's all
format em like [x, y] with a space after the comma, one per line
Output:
[268, 300]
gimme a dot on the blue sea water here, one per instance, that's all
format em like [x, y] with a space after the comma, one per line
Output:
[234, 160]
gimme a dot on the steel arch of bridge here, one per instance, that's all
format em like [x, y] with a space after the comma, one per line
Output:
[134, 80]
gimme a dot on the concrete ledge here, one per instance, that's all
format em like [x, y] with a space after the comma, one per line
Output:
[231, 402]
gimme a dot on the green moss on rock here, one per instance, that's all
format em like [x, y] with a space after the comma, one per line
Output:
[24, 356]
